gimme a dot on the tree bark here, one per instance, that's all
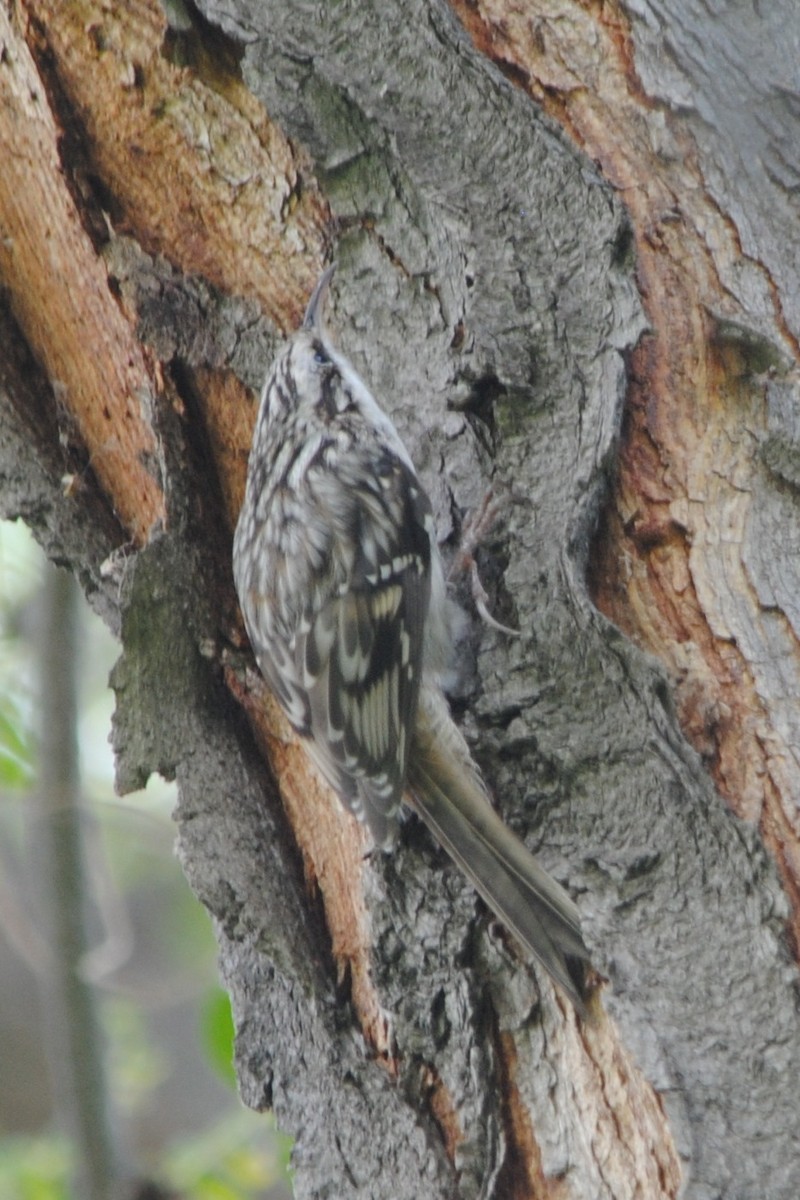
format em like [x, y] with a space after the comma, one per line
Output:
[568, 268]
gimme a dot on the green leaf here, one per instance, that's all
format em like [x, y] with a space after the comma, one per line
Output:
[217, 1035]
[16, 751]
[34, 1168]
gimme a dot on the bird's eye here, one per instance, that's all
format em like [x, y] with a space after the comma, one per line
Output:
[320, 357]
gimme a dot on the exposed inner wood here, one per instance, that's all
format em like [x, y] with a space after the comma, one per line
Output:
[194, 168]
[102, 380]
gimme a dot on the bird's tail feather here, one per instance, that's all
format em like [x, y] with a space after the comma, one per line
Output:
[450, 798]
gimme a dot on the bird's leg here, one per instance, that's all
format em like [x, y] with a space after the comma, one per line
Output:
[474, 530]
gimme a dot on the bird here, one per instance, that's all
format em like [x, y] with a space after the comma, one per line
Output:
[340, 580]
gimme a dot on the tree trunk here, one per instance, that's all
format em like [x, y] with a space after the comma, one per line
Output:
[568, 268]
[74, 1038]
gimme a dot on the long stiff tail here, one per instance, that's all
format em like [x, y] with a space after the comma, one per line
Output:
[449, 796]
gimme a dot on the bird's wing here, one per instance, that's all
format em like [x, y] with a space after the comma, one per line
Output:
[359, 658]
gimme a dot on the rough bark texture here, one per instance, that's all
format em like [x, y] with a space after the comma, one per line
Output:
[484, 173]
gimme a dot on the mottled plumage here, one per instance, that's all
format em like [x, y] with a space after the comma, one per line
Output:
[341, 585]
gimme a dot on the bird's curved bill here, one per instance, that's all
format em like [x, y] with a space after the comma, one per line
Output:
[313, 317]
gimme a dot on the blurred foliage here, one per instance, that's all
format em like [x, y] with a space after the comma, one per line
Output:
[34, 1168]
[237, 1159]
[19, 576]
[217, 1034]
[225, 1165]
[16, 750]
[168, 1024]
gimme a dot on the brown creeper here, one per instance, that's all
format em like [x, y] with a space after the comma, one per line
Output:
[341, 585]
